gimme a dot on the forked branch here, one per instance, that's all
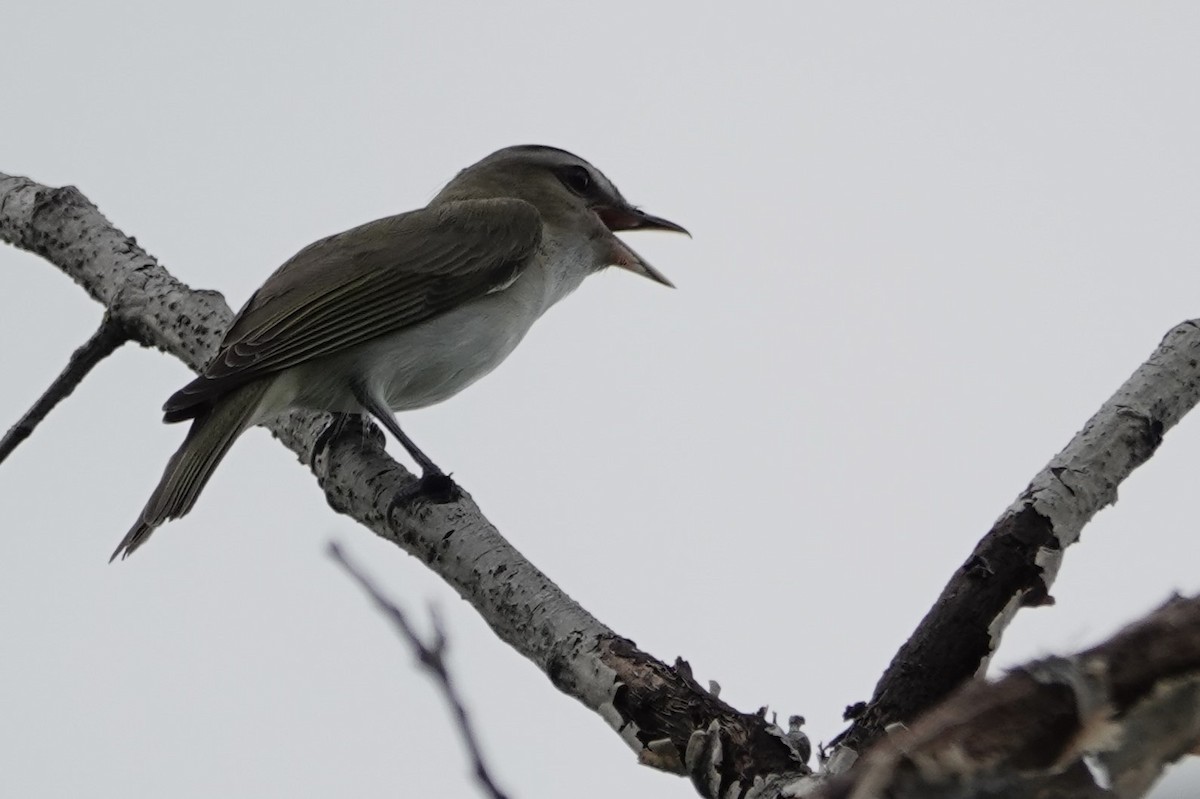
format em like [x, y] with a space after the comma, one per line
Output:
[660, 711]
[1015, 564]
[431, 657]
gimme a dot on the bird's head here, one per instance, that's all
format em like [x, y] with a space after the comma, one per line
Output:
[569, 193]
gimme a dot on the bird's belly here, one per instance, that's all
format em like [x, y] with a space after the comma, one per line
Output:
[433, 362]
[428, 363]
[420, 365]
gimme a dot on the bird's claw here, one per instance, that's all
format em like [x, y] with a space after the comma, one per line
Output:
[436, 488]
[439, 488]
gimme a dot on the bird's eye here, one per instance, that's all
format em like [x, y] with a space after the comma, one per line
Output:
[577, 179]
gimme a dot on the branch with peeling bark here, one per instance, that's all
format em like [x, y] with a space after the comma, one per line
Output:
[1101, 723]
[672, 722]
[1015, 564]
[655, 708]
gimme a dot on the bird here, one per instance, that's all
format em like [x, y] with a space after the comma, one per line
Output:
[402, 312]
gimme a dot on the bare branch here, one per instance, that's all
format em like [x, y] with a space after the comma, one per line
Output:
[655, 708]
[103, 343]
[1015, 564]
[1104, 722]
[431, 658]
[659, 710]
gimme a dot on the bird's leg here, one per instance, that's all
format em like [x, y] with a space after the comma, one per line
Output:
[434, 484]
[335, 428]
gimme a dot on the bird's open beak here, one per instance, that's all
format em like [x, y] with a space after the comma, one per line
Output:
[633, 219]
[629, 218]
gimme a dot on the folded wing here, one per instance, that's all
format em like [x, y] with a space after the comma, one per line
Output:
[370, 281]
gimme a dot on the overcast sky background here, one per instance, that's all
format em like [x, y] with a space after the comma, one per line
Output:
[930, 240]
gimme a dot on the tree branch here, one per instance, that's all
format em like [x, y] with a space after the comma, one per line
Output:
[1015, 564]
[430, 657]
[103, 343]
[659, 710]
[1103, 723]
[655, 708]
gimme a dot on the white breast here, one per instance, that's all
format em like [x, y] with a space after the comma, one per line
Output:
[433, 361]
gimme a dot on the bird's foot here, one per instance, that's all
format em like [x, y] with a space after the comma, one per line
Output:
[434, 487]
[439, 488]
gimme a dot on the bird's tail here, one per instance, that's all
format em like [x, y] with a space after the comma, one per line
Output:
[210, 437]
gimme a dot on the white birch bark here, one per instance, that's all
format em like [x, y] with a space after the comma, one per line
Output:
[654, 708]
[659, 710]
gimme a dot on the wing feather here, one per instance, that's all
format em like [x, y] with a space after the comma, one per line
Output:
[370, 281]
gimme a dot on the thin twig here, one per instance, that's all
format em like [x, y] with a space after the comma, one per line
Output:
[103, 342]
[430, 657]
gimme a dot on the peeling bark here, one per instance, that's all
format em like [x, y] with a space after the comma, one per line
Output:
[1104, 722]
[1015, 564]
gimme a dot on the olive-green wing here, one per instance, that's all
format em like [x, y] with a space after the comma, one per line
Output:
[367, 282]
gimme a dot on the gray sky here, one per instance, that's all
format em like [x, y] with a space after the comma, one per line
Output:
[930, 240]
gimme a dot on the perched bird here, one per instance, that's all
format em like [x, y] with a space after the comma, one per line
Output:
[402, 312]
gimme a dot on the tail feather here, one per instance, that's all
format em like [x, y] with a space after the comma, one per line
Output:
[210, 437]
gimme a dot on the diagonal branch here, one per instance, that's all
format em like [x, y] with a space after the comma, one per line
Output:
[1015, 564]
[103, 343]
[431, 658]
[655, 708]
